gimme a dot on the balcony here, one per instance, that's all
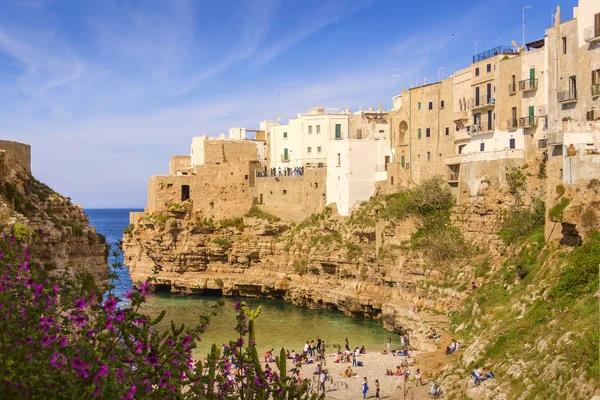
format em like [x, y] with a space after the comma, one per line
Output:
[591, 34]
[462, 136]
[453, 177]
[512, 124]
[596, 90]
[481, 129]
[528, 122]
[483, 102]
[555, 139]
[493, 52]
[285, 158]
[568, 96]
[511, 88]
[460, 116]
[528, 85]
[453, 160]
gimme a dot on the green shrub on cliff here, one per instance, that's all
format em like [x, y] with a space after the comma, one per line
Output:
[520, 222]
[20, 231]
[256, 212]
[556, 212]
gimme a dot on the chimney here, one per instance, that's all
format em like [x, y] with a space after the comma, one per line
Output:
[379, 108]
[557, 16]
[424, 81]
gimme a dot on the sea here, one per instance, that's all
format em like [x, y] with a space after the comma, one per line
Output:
[279, 324]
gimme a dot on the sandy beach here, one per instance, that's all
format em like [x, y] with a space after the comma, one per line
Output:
[374, 367]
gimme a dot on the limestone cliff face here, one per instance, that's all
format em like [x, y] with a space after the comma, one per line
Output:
[329, 262]
[28, 206]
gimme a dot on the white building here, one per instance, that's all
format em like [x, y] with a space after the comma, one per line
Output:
[353, 167]
[303, 141]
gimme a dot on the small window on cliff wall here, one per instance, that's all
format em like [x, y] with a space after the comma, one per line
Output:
[185, 192]
[284, 191]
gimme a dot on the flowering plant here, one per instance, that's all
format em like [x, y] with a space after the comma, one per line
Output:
[60, 337]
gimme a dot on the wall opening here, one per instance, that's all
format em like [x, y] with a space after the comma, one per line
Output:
[261, 199]
[212, 292]
[162, 287]
[284, 191]
[570, 236]
[185, 192]
[392, 180]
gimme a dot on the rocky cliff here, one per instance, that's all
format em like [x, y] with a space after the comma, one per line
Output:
[34, 212]
[408, 260]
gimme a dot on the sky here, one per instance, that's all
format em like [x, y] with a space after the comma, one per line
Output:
[105, 91]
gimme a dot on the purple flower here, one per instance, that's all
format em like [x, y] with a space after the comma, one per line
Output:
[129, 294]
[110, 304]
[146, 288]
[80, 320]
[63, 341]
[152, 359]
[80, 304]
[120, 316]
[103, 370]
[238, 305]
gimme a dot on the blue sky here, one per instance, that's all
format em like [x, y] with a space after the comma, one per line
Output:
[106, 91]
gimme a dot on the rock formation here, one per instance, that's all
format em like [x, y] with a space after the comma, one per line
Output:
[28, 207]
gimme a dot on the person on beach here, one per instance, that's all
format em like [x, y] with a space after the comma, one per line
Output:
[319, 345]
[389, 343]
[347, 344]
[354, 359]
[418, 378]
[376, 388]
[322, 380]
[365, 388]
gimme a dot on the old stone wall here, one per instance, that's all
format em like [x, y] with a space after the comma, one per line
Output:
[180, 165]
[218, 152]
[16, 153]
[293, 198]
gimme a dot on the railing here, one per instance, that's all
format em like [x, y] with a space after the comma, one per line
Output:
[483, 101]
[591, 34]
[528, 84]
[555, 138]
[542, 144]
[492, 52]
[492, 155]
[528, 122]
[596, 90]
[484, 127]
[511, 88]
[567, 96]
[453, 177]
[512, 124]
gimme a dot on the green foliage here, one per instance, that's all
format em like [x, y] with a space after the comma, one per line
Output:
[77, 230]
[363, 273]
[207, 223]
[353, 251]
[542, 170]
[229, 222]
[256, 212]
[21, 231]
[482, 269]
[556, 212]
[101, 237]
[128, 230]
[223, 243]
[521, 221]
[300, 267]
[326, 239]
[219, 282]
[560, 191]
[175, 207]
[517, 183]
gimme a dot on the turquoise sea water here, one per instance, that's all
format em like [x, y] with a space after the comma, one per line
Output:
[280, 324]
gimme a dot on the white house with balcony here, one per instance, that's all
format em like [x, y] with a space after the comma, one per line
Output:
[303, 141]
[353, 168]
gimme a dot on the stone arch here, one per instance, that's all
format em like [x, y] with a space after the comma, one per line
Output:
[402, 129]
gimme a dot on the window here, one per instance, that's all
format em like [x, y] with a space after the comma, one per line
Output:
[513, 85]
[573, 87]
[564, 44]
[338, 131]
[441, 103]
[403, 160]
[477, 71]
[316, 185]
[285, 154]
[309, 150]
[309, 129]
[513, 122]
[596, 77]
[185, 192]
[284, 191]
[428, 132]
[318, 128]
[460, 148]
[447, 131]
[285, 135]
[318, 149]
[428, 156]
[431, 105]
[419, 105]
[511, 143]
[419, 133]
[489, 68]
[481, 146]
[339, 160]
[359, 133]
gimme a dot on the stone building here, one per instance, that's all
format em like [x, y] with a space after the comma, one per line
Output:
[215, 180]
